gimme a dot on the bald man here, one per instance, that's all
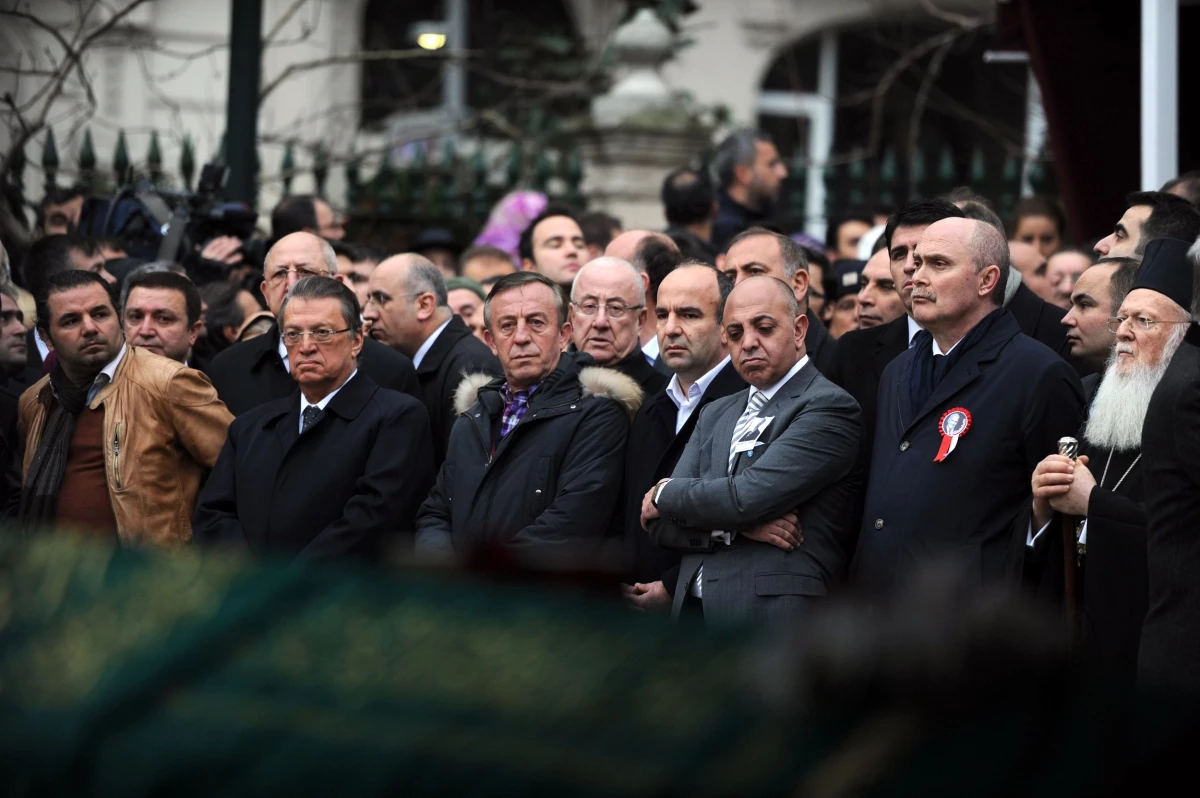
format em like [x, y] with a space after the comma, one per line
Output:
[762, 500]
[254, 372]
[965, 415]
[608, 310]
[408, 310]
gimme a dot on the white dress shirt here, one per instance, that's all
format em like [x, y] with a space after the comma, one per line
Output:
[913, 329]
[283, 354]
[43, 350]
[425, 347]
[650, 350]
[687, 404]
[321, 405]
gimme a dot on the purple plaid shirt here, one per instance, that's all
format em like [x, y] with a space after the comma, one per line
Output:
[515, 405]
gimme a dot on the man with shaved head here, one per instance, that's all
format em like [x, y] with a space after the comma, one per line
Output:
[254, 372]
[964, 417]
[608, 310]
[408, 309]
[762, 500]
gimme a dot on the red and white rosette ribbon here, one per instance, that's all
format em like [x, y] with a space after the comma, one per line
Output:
[954, 424]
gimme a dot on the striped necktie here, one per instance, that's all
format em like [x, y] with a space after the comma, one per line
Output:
[757, 400]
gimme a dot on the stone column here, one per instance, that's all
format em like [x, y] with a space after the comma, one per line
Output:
[640, 130]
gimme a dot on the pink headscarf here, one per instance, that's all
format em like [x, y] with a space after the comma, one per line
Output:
[509, 219]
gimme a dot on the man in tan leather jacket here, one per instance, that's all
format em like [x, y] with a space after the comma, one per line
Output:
[117, 440]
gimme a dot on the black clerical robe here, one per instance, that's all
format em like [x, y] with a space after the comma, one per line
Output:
[1111, 588]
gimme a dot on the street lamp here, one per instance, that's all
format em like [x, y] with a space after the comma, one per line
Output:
[428, 35]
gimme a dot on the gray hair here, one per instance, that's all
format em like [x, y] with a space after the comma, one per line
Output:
[10, 290]
[154, 267]
[425, 278]
[988, 247]
[616, 263]
[739, 148]
[321, 287]
[327, 253]
[794, 259]
[516, 280]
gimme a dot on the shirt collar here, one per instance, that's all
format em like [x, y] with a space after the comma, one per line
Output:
[770, 390]
[650, 350]
[304, 403]
[283, 353]
[110, 371]
[937, 350]
[425, 347]
[913, 329]
[698, 387]
[509, 394]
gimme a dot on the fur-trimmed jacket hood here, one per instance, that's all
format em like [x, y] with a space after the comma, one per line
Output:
[592, 380]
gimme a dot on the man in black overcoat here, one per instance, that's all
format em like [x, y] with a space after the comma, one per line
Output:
[408, 310]
[964, 416]
[339, 468]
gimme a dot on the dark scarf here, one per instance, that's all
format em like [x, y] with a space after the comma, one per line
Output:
[39, 500]
[925, 370]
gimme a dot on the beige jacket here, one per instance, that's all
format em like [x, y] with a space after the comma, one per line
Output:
[163, 429]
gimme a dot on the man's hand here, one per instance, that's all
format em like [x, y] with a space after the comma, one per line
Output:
[1051, 479]
[1074, 501]
[225, 249]
[782, 532]
[652, 597]
[649, 511]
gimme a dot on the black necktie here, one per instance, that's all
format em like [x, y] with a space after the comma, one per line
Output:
[311, 415]
[940, 366]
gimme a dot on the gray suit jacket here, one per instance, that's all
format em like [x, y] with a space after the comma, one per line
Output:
[805, 463]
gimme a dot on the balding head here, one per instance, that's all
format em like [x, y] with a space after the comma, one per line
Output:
[292, 258]
[406, 302]
[962, 265]
[608, 303]
[764, 329]
[625, 245]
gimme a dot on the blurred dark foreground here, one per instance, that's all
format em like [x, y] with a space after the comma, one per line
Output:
[131, 674]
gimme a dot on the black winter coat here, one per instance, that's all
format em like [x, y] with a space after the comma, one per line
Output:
[550, 488]
[349, 485]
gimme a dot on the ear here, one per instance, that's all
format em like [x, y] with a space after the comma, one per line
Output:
[45, 336]
[341, 278]
[642, 315]
[527, 265]
[490, 341]
[262, 287]
[358, 344]
[800, 285]
[195, 332]
[801, 329]
[988, 278]
[743, 173]
[230, 334]
[564, 336]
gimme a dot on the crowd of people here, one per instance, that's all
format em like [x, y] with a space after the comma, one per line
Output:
[731, 421]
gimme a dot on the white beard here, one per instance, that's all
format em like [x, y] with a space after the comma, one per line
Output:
[1119, 409]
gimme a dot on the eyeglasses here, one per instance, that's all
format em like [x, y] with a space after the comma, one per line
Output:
[294, 337]
[280, 276]
[1138, 322]
[614, 310]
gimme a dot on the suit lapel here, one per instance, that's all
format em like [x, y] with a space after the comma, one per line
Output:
[891, 344]
[287, 427]
[792, 389]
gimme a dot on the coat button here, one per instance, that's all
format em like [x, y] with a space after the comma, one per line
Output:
[879, 523]
[904, 446]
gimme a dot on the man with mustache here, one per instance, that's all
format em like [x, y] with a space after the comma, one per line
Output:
[1102, 493]
[964, 416]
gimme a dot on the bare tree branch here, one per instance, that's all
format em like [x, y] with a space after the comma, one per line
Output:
[356, 58]
[72, 62]
[283, 20]
[918, 112]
